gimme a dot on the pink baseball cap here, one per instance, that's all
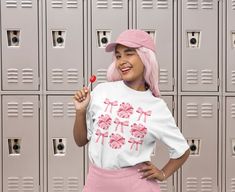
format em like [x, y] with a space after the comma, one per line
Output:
[133, 38]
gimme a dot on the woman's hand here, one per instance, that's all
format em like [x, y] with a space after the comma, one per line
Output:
[81, 99]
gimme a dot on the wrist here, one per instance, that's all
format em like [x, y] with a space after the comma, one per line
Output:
[163, 175]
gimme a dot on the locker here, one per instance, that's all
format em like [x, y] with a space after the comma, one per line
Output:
[199, 65]
[19, 37]
[230, 76]
[160, 156]
[104, 31]
[20, 143]
[161, 27]
[65, 41]
[230, 144]
[200, 127]
[65, 158]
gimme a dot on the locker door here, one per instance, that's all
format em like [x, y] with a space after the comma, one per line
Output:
[65, 158]
[160, 156]
[160, 26]
[230, 144]
[20, 143]
[200, 128]
[19, 39]
[64, 44]
[230, 76]
[199, 45]
[109, 19]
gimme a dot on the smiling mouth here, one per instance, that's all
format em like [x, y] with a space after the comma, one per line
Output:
[125, 70]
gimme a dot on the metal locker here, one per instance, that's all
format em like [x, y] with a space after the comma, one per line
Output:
[65, 39]
[199, 65]
[230, 76]
[65, 158]
[230, 144]
[19, 37]
[104, 31]
[161, 27]
[160, 156]
[199, 123]
[20, 143]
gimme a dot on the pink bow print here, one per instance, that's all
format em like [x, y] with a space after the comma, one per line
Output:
[100, 134]
[111, 104]
[121, 124]
[142, 112]
[136, 143]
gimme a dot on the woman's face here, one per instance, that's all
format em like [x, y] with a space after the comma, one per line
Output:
[130, 66]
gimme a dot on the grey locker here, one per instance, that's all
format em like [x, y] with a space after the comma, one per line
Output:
[230, 144]
[19, 37]
[200, 127]
[199, 65]
[160, 156]
[161, 27]
[64, 41]
[20, 143]
[65, 158]
[230, 76]
[109, 18]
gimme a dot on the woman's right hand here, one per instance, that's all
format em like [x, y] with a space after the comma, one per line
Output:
[81, 99]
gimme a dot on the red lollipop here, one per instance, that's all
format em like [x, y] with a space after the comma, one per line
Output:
[92, 80]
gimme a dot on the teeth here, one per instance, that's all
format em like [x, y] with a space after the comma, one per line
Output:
[125, 69]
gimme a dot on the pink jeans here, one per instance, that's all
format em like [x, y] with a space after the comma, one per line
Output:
[120, 180]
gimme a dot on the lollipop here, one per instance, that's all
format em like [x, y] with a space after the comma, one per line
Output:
[92, 80]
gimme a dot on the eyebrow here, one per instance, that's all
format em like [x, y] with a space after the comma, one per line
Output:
[127, 50]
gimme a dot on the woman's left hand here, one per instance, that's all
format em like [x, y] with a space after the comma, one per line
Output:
[151, 172]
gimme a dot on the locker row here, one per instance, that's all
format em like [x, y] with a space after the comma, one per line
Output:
[54, 45]
[39, 152]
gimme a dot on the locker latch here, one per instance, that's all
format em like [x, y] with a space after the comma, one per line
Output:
[233, 39]
[58, 39]
[193, 39]
[13, 38]
[152, 33]
[194, 145]
[59, 146]
[233, 147]
[103, 38]
[14, 146]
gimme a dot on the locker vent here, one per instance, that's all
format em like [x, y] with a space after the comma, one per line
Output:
[71, 110]
[147, 4]
[72, 3]
[207, 76]
[117, 4]
[102, 3]
[207, 184]
[72, 76]
[26, 4]
[73, 184]
[101, 75]
[233, 77]
[11, 3]
[163, 186]
[27, 75]
[233, 4]
[58, 109]
[233, 110]
[163, 76]
[57, 76]
[207, 110]
[58, 184]
[56, 4]
[13, 184]
[192, 184]
[27, 109]
[12, 109]
[12, 75]
[192, 110]
[192, 4]
[192, 76]
[207, 4]
[28, 184]
[232, 184]
[162, 4]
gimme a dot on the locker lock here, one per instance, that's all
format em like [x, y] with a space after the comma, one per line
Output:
[103, 38]
[58, 39]
[194, 145]
[14, 146]
[193, 39]
[13, 37]
[59, 146]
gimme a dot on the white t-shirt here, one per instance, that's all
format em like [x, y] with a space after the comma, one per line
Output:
[123, 125]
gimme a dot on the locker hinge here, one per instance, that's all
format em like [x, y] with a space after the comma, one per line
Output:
[218, 105]
[173, 82]
[218, 82]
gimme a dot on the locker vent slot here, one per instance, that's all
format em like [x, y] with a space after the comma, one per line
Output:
[73, 184]
[72, 4]
[102, 4]
[207, 184]
[207, 76]
[56, 4]
[163, 76]
[27, 75]
[192, 76]
[27, 110]
[12, 109]
[233, 4]
[12, 75]
[192, 184]
[147, 4]
[207, 4]
[71, 110]
[232, 185]
[28, 184]
[162, 4]
[13, 184]
[72, 76]
[101, 75]
[26, 4]
[233, 111]
[11, 3]
[233, 77]
[58, 184]
[207, 110]
[163, 186]
[192, 110]
[58, 109]
[57, 76]
[117, 4]
[192, 4]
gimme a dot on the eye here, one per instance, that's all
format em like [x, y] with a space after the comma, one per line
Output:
[118, 56]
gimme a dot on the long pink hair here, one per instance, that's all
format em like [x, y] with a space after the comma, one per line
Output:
[149, 60]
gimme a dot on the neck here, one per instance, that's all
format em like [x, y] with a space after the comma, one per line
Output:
[138, 86]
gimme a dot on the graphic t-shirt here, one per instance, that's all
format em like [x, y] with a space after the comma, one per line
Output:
[123, 125]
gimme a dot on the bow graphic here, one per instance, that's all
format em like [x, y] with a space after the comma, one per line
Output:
[111, 104]
[136, 143]
[142, 112]
[121, 124]
[100, 134]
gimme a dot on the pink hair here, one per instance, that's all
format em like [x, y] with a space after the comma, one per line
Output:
[149, 60]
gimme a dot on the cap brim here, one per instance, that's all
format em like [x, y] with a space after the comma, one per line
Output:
[111, 46]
